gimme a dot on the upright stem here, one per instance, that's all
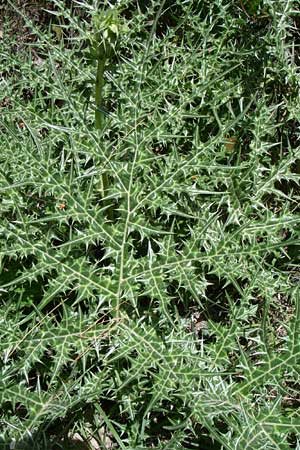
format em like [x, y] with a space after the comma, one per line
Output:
[99, 124]
[98, 92]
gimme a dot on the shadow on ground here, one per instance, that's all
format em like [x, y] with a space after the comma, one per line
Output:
[45, 444]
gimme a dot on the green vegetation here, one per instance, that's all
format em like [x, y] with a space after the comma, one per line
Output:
[150, 226]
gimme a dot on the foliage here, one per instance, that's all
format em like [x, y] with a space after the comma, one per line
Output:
[173, 323]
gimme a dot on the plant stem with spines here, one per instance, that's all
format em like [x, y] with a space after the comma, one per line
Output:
[99, 123]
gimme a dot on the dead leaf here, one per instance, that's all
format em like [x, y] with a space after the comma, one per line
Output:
[230, 143]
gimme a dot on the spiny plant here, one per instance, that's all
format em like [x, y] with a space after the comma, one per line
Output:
[149, 264]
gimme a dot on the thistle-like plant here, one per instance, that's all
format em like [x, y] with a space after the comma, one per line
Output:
[150, 270]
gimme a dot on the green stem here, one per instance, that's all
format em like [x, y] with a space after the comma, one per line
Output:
[99, 124]
[98, 92]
